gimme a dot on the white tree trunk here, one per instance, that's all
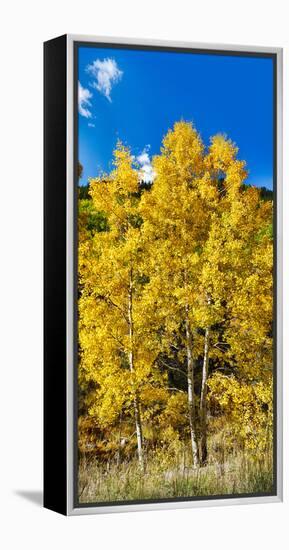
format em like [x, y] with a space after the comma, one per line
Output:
[137, 416]
[191, 393]
[203, 400]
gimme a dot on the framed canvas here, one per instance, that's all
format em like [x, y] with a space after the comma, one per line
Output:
[163, 274]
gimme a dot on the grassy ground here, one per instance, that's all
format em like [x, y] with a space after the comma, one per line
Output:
[239, 474]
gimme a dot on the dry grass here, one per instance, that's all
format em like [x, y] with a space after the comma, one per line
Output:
[241, 474]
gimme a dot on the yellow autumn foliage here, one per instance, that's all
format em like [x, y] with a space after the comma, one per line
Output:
[175, 299]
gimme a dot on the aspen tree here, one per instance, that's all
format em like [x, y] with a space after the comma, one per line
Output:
[175, 226]
[116, 349]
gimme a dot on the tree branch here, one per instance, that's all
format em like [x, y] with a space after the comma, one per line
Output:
[173, 368]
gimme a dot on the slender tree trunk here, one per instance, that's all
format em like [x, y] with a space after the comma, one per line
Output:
[137, 415]
[191, 392]
[203, 400]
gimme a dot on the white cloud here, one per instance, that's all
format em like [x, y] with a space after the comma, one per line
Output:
[146, 172]
[105, 74]
[84, 96]
[91, 125]
[143, 158]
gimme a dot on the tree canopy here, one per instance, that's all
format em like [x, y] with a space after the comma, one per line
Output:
[175, 303]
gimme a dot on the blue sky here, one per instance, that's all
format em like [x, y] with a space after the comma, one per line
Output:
[137, 96]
